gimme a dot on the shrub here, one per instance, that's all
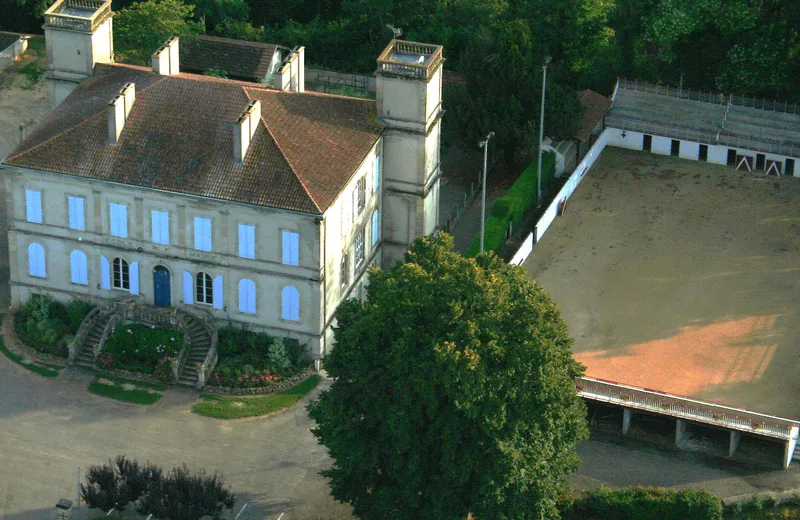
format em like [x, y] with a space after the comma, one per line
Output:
[641, 503]
[278, 359]
[50, 326]
[250, 359]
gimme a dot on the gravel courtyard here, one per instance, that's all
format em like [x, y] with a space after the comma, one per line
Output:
[682, 277]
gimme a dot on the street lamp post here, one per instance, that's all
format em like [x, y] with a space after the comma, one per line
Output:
[485, 145]
[546, 61]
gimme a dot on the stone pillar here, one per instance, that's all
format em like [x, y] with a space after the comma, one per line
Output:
[627, 413]
[791, 444]
[735, 438]
[680, 431]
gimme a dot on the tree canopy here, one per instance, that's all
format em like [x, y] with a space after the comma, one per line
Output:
[453, 394]
[141, 28]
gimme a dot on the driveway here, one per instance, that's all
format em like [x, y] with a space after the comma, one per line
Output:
[51, 427]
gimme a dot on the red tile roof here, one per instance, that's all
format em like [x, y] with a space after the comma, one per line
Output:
[179, 137]
[238, 58]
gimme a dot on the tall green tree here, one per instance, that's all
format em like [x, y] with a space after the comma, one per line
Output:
[453, 394]
[141, 28]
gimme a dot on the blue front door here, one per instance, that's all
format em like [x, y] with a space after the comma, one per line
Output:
[161, 291]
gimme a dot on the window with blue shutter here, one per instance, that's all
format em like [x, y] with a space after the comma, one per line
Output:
[247, 241]
[75, 207]
[118, 216]
[375, 229]
[247, 296]
[159, 223]
[33, 206]
[202, 234]
[291, 248]
[77, 267]
[290, 304]
[36, 261]
[376, 178]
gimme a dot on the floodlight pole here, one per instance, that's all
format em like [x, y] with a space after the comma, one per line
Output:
[485, 145]
[546, 61]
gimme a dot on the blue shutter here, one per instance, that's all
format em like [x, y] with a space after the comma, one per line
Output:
[133, 273]
[247, 296]
[76, 216]
[247, 241]
[33, 206]
[159, 226]
[105, 273]
[375, 230]
[188, 288]
[377, 174]
[219, 300]
[202, 234]
[290, 304]
[118, 215]
[77, 264]
[291, 248]
[36, 261]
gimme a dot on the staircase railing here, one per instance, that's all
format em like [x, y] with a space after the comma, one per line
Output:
[205, 369]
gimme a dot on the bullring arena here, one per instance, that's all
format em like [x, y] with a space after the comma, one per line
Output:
[681, 277]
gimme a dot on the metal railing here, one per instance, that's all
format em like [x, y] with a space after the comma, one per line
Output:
[685, 408]
[710, 97]
[720, 138]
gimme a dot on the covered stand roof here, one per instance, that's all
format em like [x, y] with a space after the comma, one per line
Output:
[707, 118]
[179, 138]
[595, 108]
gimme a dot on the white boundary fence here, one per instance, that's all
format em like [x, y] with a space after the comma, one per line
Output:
[560, 199]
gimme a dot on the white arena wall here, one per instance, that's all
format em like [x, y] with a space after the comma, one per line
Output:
[688, 149]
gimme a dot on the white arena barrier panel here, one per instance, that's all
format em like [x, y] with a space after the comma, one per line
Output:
[560, 199]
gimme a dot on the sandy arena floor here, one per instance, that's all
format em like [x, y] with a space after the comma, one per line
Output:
[682, 277]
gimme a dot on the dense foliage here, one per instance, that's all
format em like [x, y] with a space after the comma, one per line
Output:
[642, 503]
[48, 325]
[146, 349]
[250, 359]
[176, 495]
[737, 46]
[453, 394]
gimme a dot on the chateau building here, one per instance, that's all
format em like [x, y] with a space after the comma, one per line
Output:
[262, 205]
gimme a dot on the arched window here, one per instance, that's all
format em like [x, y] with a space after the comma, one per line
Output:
[247, 296]
[204, 289]
[77, 266]
[121, 274]
[36, 261]
[290, 304]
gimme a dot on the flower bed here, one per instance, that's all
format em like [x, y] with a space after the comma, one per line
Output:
[276, 386]
[49, 326]
[144, 349]
[251, 360]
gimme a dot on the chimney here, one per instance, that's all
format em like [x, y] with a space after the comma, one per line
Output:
[166, 58]
[290, 75]
[119, 109]
[245, 129]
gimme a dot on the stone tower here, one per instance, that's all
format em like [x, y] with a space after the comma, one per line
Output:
[409, 103]
[78, 34]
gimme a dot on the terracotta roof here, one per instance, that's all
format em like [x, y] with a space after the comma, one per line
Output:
[596, 107]
[179, 137]
[240, 59]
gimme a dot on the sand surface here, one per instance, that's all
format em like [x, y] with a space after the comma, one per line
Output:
[682, 277]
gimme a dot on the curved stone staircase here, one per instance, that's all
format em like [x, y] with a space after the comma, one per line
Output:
[196, 359]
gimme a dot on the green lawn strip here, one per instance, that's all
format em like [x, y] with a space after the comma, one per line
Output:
[220, 407]
[141, 384]
[115, 391]
[32, 366]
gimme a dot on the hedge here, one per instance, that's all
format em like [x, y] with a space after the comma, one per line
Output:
[511, 207]
[640, 503]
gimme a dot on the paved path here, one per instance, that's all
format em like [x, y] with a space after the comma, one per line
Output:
[49, 428]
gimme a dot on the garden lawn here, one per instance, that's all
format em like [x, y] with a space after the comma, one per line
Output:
[124, 390]
[238, 407]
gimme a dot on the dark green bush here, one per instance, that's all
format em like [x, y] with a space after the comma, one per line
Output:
[142, 348]
[642, 503]
[48, 325]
